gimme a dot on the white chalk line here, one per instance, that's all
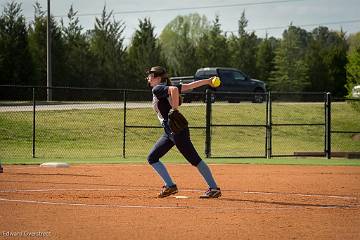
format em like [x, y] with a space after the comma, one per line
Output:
[303, 195]
[183, 190]
[92, 205]
[165, 207]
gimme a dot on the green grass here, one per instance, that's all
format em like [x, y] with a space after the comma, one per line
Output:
[97, 135]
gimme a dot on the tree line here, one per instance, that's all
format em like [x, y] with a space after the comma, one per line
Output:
[319, 60]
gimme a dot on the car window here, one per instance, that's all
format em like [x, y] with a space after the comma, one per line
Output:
[226, 77]
[238, 76]
[203, 76]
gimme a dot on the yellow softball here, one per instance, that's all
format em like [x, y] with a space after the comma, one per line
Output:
[215, 82]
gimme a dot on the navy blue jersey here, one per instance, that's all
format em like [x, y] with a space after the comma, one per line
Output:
[162, 101]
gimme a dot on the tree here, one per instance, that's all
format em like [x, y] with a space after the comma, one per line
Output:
[353, 68]
[242, 25]
[79, 63]
[353, 42]
[319, 72]
[291, 70]
[326, 59]
[15, 61]
[38, 48]
[212, 50]
[37, 45]
[178, 41]
[107, 45]
[185, 55]
[244, 48]
[265, 58]
[144, 52]
[338, 65]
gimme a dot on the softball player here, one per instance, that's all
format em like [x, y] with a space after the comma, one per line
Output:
[165, 98]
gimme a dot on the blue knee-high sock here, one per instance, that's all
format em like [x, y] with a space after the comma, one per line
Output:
[206, 173]
[162, 171]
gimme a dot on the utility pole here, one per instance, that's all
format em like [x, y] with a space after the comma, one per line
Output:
[48, 55]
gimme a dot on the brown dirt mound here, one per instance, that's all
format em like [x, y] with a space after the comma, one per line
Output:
[119, 202]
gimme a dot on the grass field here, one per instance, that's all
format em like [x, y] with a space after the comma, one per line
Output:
[96, 135]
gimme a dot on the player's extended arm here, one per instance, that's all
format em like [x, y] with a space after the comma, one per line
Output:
[174, 91]
[196, 84]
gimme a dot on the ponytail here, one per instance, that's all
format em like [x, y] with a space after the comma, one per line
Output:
[166, 79]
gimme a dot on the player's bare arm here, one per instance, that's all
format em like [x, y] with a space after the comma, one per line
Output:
[213, 82]
[174, 94]
[196, 84]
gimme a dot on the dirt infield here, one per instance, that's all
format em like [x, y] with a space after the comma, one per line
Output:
[119, 202]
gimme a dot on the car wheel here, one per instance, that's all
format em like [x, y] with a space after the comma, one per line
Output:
[259, 96]
[212, 98]
[233, 100]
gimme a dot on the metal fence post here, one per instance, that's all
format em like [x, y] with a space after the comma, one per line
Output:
[208, 124]
[328, 125]
[124, 127]
[269, 125]
[34, 124]
[325, 125]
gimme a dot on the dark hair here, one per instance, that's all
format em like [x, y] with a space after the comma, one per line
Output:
[159, 71]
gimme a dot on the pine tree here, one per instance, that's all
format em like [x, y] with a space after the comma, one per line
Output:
[291, 70]
[319, 74]
[107, 45]
[338, 65]
[326, 59]
[15, 61]
[38, 48]
[265, 59]
[212, 50]
[37, 45]
[144, 53]
[244, 48]
[79, 63]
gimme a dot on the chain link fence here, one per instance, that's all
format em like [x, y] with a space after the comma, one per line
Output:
[298, 124]
[77, 123]
[238, 125]
[115, 123]
[345, 130]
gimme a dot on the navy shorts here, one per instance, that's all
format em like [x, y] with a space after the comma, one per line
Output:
[181, 140]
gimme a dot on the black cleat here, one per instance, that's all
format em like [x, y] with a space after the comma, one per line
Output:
[212, 193]
[167, 191]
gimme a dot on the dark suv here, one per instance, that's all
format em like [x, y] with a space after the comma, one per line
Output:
[232, 81]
